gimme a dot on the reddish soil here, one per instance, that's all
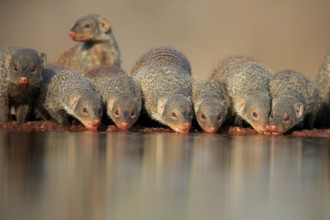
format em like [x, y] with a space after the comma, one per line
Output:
[53, 126]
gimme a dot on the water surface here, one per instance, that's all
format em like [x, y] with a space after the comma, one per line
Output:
[91, 175]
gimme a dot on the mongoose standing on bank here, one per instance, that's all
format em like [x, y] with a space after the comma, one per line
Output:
[20, 74]
[210, 104]
[63, 92]
[247, 84]
[295, 100]
[323, 83]
[164, 76]
[97, 45]
[119, 92]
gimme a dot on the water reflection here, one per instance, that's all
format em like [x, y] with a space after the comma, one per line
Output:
[91, 175]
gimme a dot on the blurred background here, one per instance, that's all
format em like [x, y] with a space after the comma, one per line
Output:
[282, 34]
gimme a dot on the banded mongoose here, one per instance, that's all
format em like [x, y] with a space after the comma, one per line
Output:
[323, 83]
[295, 101]
[210, 104]
[247, 84]
[164, 76]
[20, 74]
[97, 45]
[63, 92]
[119, 92]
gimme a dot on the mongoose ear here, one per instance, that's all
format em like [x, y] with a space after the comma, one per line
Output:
[43, 58]
[73, 100]
[110, 103]
[239, 105]
[137, 100]
[299, 108]
[197, 105]
[161, 105]
[105, 24]
[7, 58]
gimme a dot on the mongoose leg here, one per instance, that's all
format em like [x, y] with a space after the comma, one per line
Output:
[22, 113]
[4, 110]
[61, 117]
[238, 121]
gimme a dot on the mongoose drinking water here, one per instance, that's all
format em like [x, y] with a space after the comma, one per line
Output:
[63, 92]
[20, 74]
[210, 104]
[295, 100]
[247, 84]
[164, 76]
[323, 83]
[120, 94]
[97, 45]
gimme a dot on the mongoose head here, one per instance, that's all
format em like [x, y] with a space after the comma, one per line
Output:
[124, 110]
[210, 114]
[176, 112]
[87, 109]
[90, 28]
[254, 110]
[25, 67]
[284, 115]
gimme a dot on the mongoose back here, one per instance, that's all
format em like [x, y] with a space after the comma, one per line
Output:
[164, 76]
[323, 79]
[63, 92]
[120, 94]
[295, 100]
[210, 104]
[97, 45]
[247, 84]
[20, 74]
[323, 83]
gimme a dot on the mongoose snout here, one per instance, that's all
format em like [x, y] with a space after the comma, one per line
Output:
[272, 129]
[22, 81]
[71, 34]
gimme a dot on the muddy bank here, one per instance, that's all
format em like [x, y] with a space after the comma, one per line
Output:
[53, 126]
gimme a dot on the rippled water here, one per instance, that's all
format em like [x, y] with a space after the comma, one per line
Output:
[91, 175]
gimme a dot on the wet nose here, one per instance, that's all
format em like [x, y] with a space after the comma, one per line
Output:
[211, 130]
[267, 130]
[123, 125]
[71, 33]
[23, 80]
[273, 128]
[186, 125]
[95, 122]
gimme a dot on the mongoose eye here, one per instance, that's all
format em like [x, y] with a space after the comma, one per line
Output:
[133, 114]
[271, 116]
[255, 115]
[85, 110]
[117, 112]
[286, 119]
[87, 26]
[218, 117]
[174, 115]
[203, 116]
[15, 68]
[33, 69]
